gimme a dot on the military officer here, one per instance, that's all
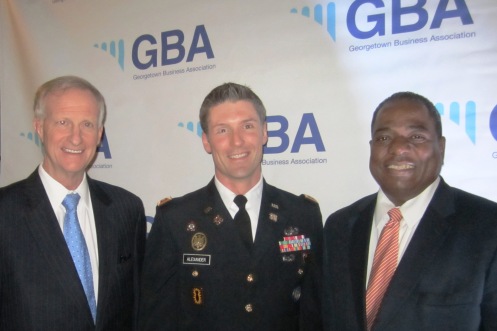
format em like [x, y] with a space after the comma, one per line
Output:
[238, 254]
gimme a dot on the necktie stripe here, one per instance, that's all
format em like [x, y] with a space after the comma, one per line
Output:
[384, 265]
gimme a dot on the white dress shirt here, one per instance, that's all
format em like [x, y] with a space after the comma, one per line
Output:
[412, 212]
[56, 193]
[253, 206]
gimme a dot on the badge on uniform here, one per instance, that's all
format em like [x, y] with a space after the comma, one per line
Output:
[191, 226]
[197, 259]
[295, 243]
[199, 241]
[198, 295]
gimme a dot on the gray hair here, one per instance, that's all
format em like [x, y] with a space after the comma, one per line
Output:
[64, 83]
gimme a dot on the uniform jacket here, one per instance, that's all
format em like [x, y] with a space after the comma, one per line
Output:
[39, 286]
[222, 285]
[445, 281]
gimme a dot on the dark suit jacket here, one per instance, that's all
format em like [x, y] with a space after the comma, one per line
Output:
[39, 286]
[446, 279]
[281, 289]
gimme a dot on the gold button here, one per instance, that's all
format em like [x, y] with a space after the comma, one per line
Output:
[194, 273]
[250, 278]
[249, 308]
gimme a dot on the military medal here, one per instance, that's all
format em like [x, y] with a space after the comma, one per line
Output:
[295, 243]
[199, 241]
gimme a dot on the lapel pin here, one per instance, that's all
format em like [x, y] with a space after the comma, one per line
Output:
[217, 219]
[291, 231]
[191, 226]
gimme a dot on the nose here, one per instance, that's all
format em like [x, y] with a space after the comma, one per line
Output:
[75, 136]
[399, 146]
[237, 138]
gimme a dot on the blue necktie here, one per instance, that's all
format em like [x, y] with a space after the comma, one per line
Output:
[79, 251]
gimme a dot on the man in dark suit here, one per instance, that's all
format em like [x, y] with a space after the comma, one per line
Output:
[211, 265]
[442, 240]
[69, 266]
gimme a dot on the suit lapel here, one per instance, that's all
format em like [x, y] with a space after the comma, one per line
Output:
[106, 239]
[220, 223]
[42, 223]
[423, 247]
[359, 248]
[272, 220]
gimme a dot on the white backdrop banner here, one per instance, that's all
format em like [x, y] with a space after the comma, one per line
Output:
[320, 68]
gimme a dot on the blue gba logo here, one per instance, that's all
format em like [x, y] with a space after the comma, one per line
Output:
[319, 16]
[149, 52]
[307, 122]
[104, 146]
[415, 13]
[455, 115]
[493, 123]
[169, 47]
[359, 12]
[116, 49]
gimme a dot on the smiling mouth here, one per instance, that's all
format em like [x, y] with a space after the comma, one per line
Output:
[73, 151]
[238, 156]
[401, 166]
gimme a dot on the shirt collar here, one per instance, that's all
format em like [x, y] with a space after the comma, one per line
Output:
[57, 192]
[254, 195]
[412, 210]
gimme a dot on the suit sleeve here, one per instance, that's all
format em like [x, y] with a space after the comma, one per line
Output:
[159, 304]
[489, 303]
[310, 306]
[140, 239]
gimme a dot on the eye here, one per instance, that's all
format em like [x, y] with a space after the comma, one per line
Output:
[62, 122]
[382, 139]
[88, 125]
[418, 137]
[221, 130]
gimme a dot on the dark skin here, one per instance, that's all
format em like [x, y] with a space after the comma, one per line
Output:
[406, 152]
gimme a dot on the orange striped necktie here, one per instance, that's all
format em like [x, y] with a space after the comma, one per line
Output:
[384, 265]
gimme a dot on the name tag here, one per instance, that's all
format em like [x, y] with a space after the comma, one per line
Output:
[199, 259]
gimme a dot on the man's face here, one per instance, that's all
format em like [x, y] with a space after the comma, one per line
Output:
[406, 153]
[70, 134]
[235, 139]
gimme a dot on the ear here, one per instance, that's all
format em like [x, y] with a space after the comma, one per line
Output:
[264, 133]
[100, 133]
[442, 147]
[38, 126]
[205, 142]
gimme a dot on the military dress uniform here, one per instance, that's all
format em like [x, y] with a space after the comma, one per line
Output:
[198, 274]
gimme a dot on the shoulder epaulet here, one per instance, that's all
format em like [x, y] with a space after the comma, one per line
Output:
[309, 198]
[164, 201]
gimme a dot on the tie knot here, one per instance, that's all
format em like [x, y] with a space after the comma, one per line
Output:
[71, 201]
[240, 201]
[395, 215]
